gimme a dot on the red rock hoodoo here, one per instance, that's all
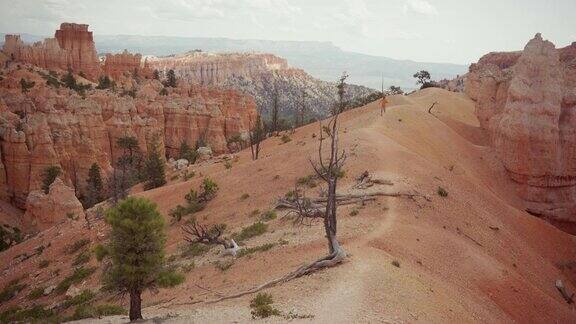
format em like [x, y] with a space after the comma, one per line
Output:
[71, 48]
[527, 103]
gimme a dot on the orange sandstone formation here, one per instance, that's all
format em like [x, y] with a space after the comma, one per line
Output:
[527, 102]
[71, 48]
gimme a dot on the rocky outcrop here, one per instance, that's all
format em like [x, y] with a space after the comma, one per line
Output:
[126, 64]
[258, 75]
[49, 126]
[527, 103]
[71, 48]
[45, 210]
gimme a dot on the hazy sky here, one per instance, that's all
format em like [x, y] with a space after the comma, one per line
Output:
[457, 31]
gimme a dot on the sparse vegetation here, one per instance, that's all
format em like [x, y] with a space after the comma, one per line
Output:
[195, 250]
[9, 236]
[11, 290]
[94, 187]
[188, 153]
[259, 248]
[100, 251]
[36, 293]
[195, 202]
[244, 196]
[256, 135]
[82, 258]
[155, 168]
[262, 307]
[223, 265]
[33, 314]
[26, 85]
[77, 276]
[48, 176]
[268, 216]
[354, 212]
[76, 246]
[170, 79]
[285, 138]
[251, 231]
[309, 181]
[82, 298]
[442, 192]
[396, 263]
[104, 82]
[43, 264]
[89, 311]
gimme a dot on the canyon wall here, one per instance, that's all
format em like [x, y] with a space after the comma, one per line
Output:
[125, 64]
[50, 125]
[527, 102]
[259, 75]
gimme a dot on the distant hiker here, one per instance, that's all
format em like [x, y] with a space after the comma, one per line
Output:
[383, 103]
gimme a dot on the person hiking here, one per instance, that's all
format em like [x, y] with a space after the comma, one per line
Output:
[383, 103]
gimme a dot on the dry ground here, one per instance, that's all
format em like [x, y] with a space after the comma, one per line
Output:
[473, 256]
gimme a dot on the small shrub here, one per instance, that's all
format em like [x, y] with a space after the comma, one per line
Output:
[82, 298]
[228, 165]
[89, 311]
[11, 290]
[100, 251]
[396, 263]
[442, 192]
[36, 293]
[71, 216]
[309, 181]
[188, 175]
[195, 250]
[169, 279]
[210, 188]
[244, 196]
[268, 216]
[43, 264]
[223, 265]
[251, 231]
[82, 258]
[254, 213]
[163, 92]
[285, 138]
[187, 267]
[76, 246]
[260, 248]
[33, 314]
[262, 307]
[354, 212]
[76, 277]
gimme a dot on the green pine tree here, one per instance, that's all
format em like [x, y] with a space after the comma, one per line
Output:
[155, 170]
[48, 176]
[136, 249]
[95, 186]
[171, 79]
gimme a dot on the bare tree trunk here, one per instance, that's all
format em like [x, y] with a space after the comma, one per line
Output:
[135, 305]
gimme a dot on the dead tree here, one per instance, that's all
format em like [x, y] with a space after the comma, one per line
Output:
[569, 298]
[196, 233]
[256, 136]
[327, 169]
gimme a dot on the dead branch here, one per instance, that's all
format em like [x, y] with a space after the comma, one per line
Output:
[569, 298]
[197, 233]
[365, 181]
[430, 109]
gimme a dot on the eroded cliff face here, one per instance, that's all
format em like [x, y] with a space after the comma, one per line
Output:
[527, 103]
[258, 75]
[50, 125]
[125, 64]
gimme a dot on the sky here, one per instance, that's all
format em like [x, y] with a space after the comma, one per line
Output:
[451, 31]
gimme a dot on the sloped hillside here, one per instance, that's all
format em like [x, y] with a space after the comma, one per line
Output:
[472, 255]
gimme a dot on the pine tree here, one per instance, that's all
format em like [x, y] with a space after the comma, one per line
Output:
[171, 79]
[188, 153]
[48, 176]
[136, 249]
[155, 171]
[95, 186]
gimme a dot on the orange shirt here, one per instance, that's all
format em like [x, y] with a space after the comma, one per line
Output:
[383, 102]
